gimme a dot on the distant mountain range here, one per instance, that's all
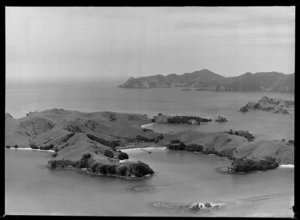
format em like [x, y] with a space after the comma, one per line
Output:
[208, 80]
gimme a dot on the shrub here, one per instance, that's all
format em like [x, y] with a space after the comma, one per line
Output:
[122, 170]
[56, 150]
[140, 169]
[86, 156]
[291, 141]
[194, 147]
[142, 138]
[53, 164]
[160, 136]
[210, 150]
[123, 156]
[34, 146]
[7, 146]
[145, 130]
[111, 169]
[175, 141]
[49, 147]
[103, 169]
[152, 120]
[176, 146]
[16, 146]
[54, 155]
[108, 153]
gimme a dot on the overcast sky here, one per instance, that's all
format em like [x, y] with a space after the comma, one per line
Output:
[101, 42]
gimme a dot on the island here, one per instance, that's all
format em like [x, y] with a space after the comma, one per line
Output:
[192, 120]
[274, 105]
[206, 80]
[93, 142]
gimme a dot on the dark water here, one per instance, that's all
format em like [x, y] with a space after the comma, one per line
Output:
[181, 177]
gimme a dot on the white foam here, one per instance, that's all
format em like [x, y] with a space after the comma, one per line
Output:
[147, 125]
[287, 166]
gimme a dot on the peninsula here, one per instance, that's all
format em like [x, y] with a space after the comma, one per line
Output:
[92, 142]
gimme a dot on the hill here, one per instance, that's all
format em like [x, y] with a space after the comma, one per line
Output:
[208, 80]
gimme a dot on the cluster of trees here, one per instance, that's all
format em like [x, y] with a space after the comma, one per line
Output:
[122, 156]
[179, 145]
[241, 133]
[8, 147]
[145, 139]
[185, 119]
[248, 165]
[112, 144]
[84, 162]
[108, 153]
[68, 137]
[138, 169]
[47, 147]
[145, 130]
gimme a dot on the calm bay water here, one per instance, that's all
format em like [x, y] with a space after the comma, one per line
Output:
[181, 177]
[185, 177]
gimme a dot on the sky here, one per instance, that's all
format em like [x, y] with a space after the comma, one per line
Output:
[99, 43]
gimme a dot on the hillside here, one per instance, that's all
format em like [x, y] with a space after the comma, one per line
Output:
[172, 80]
[70, 132]
[208, 80]
[91, 140]
[239, 146]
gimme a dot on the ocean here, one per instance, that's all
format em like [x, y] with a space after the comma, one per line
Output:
[181, 177]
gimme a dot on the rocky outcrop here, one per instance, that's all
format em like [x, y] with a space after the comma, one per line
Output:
[221, 119]
[274, 105]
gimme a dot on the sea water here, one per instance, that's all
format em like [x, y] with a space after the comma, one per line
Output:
[180, 177]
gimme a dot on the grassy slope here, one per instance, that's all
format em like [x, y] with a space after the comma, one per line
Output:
[54, 126]
[283, 152]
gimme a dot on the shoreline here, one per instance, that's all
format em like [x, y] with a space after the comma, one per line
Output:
[29, 149]
[147, 125]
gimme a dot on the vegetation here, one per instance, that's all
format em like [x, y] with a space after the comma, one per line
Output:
[145, 130]
[16, 146]
[242, 133]
[122, 156]
[111, 144]
[186, 119]
[248, 165]
[108, 153]
[34, 146]
[49, 147]
[244, 109]
[194, 147]
[7, 146]
[138, 169]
